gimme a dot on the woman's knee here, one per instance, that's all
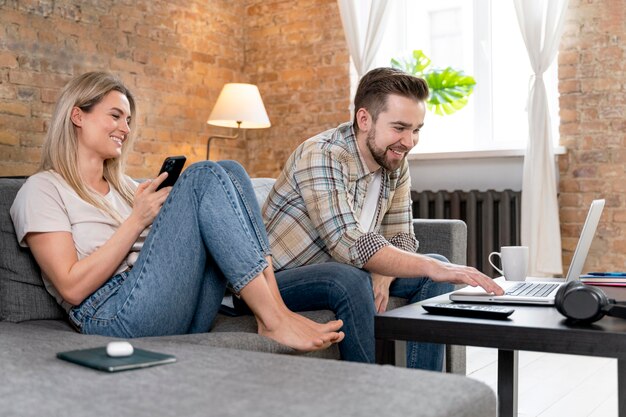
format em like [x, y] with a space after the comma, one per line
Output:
[204, 177]
[202, 164]
[229, 164]
[234, 168]
[201, 168]
[237, 173]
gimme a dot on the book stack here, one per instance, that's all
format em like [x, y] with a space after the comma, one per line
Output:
[610, 279]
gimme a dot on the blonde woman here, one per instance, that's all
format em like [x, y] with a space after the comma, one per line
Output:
[126, 260]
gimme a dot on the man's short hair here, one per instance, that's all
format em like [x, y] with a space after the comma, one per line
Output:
[379, 83]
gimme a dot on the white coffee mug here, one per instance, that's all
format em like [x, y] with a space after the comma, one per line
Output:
[514, 260]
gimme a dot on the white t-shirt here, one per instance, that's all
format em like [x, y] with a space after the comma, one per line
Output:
[46, 203]
[370, 204]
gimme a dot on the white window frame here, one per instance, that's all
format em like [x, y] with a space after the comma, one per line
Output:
[484, 138]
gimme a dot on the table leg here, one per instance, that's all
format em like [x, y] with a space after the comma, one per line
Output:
[507, 383]
[391, 352]
[400, 353]
[385, 352]
[621, 387]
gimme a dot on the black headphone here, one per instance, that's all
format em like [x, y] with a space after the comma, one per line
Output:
[586, 304]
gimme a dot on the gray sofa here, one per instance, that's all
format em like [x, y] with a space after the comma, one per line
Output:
[229, 371]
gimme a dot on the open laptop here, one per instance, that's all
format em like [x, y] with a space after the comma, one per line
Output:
[528, 292]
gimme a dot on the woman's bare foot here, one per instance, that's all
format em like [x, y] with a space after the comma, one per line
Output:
[299, 334]
[331, 326]
[279, 323]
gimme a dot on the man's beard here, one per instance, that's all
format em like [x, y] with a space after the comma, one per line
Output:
[380, 155]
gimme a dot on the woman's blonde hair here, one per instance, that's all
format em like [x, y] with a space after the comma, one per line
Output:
[61, 142]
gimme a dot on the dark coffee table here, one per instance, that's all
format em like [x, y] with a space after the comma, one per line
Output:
[531, 328]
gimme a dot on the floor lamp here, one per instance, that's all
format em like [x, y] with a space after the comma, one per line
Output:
[238, 106]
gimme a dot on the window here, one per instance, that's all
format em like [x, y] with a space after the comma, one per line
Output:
[482, 38]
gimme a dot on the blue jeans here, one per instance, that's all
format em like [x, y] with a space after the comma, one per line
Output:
[347, 291]
[208, 234]
[422, 355]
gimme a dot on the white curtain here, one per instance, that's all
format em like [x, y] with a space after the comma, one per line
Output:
[541, 23]
[363, 24]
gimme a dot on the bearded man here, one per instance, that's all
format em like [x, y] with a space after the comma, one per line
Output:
[342, 205]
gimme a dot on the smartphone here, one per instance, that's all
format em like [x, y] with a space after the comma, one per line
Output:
[173, 165]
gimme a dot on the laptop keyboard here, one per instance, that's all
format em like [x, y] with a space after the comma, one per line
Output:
[527, 289]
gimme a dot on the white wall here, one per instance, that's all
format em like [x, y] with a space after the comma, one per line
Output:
[478, 170]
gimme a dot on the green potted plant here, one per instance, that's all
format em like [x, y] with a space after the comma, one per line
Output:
[449, 88]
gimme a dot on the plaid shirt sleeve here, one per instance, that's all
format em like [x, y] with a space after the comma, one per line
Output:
[323, 181]
[397, 223]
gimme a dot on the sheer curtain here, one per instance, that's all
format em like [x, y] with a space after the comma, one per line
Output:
[541, 24]
[363, 24]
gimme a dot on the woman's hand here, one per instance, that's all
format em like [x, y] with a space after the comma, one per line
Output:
[148, 200]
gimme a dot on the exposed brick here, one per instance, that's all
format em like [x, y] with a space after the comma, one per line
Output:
[610, 172]
[593, 156]
[201, 57]
[17, 169]
[8, 138]
[619, 216]
[593, 85]
[37, 79]
[8, 59]
[618, 185]
[569, 86]
[49, 95]
[568, 115]
[591, 72]
[15, 109]
[7, 92]
[619, 245]
[27, 93]
[20, 123]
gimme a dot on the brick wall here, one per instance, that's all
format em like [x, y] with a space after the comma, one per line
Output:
[175, 57]
[593, 128]
[296, 52]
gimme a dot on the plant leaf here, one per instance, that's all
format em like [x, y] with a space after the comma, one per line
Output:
[421, 61]
[449, 88]
[416, 64]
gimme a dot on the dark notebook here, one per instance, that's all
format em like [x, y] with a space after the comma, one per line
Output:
[97, 358]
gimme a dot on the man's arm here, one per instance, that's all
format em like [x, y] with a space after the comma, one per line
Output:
[391, 261]
[324, 186]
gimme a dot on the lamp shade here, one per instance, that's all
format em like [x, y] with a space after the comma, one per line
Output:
[239, 105]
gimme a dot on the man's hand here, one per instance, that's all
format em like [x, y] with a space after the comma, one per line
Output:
[459, 274]
[390, 260]
[380, 284]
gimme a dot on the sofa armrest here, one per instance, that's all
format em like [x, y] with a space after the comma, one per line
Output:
[444, 237]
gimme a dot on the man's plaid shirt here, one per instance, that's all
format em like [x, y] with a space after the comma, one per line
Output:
[312, 213]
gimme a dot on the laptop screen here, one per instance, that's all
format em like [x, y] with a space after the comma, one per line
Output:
[584, 243]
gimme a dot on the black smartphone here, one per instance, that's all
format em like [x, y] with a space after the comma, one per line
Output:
[173, 165]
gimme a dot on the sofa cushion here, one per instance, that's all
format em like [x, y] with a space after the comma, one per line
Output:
[262, 188]
[209, 381]
[22, 293]
[242, 337]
